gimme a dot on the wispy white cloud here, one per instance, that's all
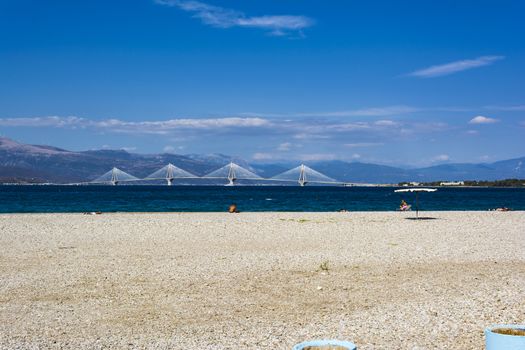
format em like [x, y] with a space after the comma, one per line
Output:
[363, 144]
[455, 67]
[172, 149]
[271, 138]
[384, 111]
[485, 158]
[220, 17]
[51, 121]
[264, 156]
[310, 136]
[386, 123]
[361, 112]
[184, 129]
[168, 149]
[441, 158]
[317, 157]
[210, 123]
[483, 120]
[151, 127]
[518, 108]
[429, 126]
[129, 148]
[313, 157]
[284, 147]
[378, 111]
[344, 127]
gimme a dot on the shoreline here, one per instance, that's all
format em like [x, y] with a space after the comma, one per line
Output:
[406, 213]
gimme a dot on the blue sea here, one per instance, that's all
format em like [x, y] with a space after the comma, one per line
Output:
[45, 199]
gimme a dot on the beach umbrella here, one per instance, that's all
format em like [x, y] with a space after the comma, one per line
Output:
[417, 190]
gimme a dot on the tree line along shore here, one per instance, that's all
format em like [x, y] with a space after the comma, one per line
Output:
[470, 183]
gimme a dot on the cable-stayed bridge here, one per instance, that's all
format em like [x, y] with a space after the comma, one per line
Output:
[114, 176]
[303, 175]
[231, 172]
[169, 173]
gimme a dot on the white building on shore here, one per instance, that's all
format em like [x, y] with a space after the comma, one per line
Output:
[452, 183]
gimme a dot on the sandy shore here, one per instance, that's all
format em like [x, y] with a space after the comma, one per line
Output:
[254, 281]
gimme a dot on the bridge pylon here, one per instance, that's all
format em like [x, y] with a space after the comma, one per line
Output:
[169, 174]
[302, 176]
[114, 176]
[232, 172]
[231, 175]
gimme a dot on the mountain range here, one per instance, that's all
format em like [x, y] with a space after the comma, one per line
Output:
[23, 163]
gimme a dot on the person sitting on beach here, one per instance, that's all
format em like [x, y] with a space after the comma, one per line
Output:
[233, 209]
[404, 206]
[503, 209]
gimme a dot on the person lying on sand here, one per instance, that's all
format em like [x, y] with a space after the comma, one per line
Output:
[501, 209]
[233, 209]
[404, 206]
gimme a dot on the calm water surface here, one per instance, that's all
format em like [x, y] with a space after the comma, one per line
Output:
[42, 199]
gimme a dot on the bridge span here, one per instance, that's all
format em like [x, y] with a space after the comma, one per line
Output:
[231, 173]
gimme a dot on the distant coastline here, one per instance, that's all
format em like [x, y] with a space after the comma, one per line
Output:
[505, 183]
[24, 163]
[512, 183]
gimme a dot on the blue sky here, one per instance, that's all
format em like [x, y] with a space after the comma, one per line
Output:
[393, 82]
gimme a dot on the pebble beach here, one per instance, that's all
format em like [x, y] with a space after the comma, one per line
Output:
[259, 280]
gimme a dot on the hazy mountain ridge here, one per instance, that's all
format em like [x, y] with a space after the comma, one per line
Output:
[32, 163]
[35, 163]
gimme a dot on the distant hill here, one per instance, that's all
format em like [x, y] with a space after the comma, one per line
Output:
[31, 163]
[507, 169]
[374, 173]
[34, 163]
[362, 172]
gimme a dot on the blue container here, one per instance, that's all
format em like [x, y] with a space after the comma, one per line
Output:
[496, 341]
[345, 344]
